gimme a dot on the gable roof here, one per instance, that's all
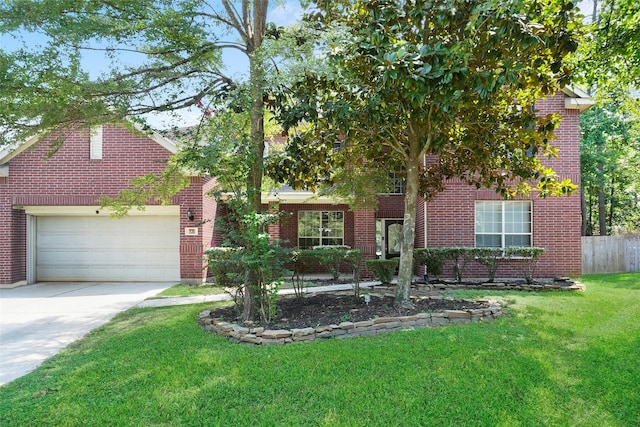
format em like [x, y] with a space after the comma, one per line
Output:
[577, 99]
[10, 152]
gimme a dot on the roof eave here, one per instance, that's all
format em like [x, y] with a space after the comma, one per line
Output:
[577, 99]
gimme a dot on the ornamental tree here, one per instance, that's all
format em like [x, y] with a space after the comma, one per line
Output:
[450, 81]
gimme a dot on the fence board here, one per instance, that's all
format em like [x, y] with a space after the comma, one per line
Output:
[611, 254]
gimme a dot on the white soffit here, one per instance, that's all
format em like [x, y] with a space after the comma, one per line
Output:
[172, 210]
[577, 99]
[298, 197]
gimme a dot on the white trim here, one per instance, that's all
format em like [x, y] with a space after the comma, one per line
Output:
[298, 197]
[578, 104]
[577, 99]
[10, 152]
[163, 141]
[32, 232]
[173, 210]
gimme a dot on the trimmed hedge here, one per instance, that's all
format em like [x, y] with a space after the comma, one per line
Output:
[383, 269]
[433, 259]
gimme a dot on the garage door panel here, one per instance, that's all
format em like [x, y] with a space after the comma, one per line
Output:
[102, 248]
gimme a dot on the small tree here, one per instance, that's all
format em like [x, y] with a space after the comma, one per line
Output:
[431, 258]
[460, 257]
[353, 258]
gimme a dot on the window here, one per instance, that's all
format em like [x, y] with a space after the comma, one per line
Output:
[397, 183]
[320, 228]
[503, 224]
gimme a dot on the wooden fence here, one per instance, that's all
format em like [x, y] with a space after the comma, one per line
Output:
[611, 254]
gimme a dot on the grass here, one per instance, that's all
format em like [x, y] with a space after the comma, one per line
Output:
[559, 359]
[189, 291]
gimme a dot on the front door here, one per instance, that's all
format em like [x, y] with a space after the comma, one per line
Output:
[392, 238]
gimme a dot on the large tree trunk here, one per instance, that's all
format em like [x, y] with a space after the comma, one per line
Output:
[255, 34]
[405, 272]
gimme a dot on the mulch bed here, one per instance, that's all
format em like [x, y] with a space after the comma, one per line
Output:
[327, 309]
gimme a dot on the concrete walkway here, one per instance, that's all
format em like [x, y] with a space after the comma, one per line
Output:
[37, 321]
[165, 302]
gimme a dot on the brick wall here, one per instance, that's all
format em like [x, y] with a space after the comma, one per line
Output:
[71, 178]
[556, 221]
[7, 240]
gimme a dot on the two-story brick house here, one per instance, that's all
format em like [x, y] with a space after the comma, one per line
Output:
[461, 215]
[52, 227]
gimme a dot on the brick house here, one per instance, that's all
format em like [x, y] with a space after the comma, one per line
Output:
[461, 215]
[53, 227]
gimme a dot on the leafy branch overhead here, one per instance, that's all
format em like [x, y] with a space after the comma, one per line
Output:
[160, 58]
[452, 79]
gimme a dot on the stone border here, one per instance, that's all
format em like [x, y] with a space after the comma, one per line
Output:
[557, 284]
[380, 325]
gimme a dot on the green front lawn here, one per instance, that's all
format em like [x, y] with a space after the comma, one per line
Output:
[189, 291]
[567, 359]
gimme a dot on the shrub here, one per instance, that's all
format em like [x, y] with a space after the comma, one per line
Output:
[383, 269]
[225, 266]
[431, 258]
[332, 258]
[528, 257]
[490, 258]
[460, 256]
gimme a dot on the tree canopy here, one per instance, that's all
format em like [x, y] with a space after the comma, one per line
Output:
[450, 79]
[609, 56]
[608, 65]
[610, 160]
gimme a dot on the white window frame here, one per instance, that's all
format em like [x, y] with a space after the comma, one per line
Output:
[397, 184]
[321, 229]
[503, 233]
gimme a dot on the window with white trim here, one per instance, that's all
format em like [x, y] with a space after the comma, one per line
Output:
[503, 224]
[397, 183]
[320, 228]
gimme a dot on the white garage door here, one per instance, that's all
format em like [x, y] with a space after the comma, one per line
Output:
[135, 248]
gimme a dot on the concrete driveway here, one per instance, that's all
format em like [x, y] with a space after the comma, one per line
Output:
[39, 320]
